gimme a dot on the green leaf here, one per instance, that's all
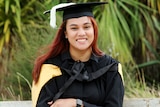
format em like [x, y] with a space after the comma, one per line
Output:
[150, 63]
[130, 12]
[7, 36]
[1, 43]
[7, 6]
[6, 26]
[149, 46]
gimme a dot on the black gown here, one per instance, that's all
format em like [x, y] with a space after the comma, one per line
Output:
[101, 90]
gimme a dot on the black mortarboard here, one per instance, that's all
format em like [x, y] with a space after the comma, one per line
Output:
[72, 10]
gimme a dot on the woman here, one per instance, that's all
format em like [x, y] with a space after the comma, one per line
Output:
[74, 67]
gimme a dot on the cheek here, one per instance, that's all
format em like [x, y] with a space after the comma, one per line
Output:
[71, 38]
[69, 35]
[92, 36]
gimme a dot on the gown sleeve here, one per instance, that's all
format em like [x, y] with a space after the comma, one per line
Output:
[46, 95]
[115, 90]
[48, 71]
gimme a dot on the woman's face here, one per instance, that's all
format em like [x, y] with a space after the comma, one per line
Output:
[80, 33]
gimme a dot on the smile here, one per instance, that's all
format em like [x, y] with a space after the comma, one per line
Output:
[81, 39]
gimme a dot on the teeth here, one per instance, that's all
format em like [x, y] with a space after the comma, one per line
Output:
[81, 39]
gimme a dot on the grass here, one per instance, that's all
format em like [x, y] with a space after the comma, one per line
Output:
[137, 87]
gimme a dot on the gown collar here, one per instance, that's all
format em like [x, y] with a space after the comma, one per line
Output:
[86, 76]
[66, 55]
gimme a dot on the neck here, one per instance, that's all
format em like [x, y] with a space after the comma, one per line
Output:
[82, 56]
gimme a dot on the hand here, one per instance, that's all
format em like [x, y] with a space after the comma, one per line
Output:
[69, 102]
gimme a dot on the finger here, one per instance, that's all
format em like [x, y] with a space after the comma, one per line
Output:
[51, 102]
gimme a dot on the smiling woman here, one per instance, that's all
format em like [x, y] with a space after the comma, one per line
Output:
[75, 72]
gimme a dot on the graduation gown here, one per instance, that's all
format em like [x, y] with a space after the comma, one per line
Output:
[95, 87]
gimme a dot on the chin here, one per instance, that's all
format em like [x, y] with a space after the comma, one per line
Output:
[84, 48]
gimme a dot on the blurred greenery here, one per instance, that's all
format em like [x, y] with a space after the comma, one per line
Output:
[128, 31]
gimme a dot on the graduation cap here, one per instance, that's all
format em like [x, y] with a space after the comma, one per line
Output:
[72, 10]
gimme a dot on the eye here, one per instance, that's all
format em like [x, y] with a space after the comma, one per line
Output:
[74, 28]
[87, 26]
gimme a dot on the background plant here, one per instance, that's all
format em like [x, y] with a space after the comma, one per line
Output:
[16, 55]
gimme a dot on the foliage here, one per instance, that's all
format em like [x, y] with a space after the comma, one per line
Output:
[131, 34]
[128, 31]
[15, 14]
[18, 58]
[20, 67]
[10, 22]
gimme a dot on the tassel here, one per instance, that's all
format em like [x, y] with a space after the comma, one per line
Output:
[53, 13]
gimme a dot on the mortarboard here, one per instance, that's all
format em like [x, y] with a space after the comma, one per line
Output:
[72, 10]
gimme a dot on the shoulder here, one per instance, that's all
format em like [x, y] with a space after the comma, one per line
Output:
[59, 59]
[105, 66]
[54, 60]
[106, 60]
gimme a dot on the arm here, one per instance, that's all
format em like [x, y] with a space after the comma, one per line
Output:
[47, 93]
[115, 90]
[114, 98]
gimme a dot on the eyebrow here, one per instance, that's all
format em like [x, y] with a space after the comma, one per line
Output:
[83, 24]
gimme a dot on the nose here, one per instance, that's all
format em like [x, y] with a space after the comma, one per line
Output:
[81, 32]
